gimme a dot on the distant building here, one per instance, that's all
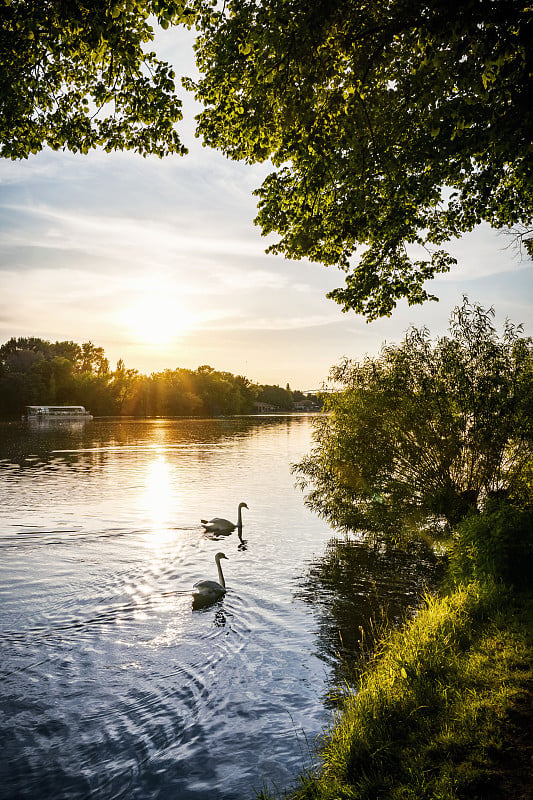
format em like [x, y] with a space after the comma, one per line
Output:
[306, 405]
[301, 405]
[264, 408]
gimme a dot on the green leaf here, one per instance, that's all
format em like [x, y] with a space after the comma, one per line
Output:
[366, 117]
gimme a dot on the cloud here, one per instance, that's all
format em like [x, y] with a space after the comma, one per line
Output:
[115, 238]
[268, 323]
[481, 253]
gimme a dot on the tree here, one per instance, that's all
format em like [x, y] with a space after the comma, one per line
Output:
[52, 378]
[425, 432]
[394, 126]
[93, 359]
[17, 348]
[123, 384]
[33, 370]
[276, 396]
[76, 74]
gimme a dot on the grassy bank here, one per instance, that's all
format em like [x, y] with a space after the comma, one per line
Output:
[443, 709]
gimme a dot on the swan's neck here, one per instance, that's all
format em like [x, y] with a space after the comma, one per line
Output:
[220, 575]
[239, 518]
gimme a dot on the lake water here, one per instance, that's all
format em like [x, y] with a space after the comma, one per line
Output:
[111, 686]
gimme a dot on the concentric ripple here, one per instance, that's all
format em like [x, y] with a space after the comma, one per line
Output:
[111, 685]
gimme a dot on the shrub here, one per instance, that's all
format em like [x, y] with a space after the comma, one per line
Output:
[495, 544]
[415, 438]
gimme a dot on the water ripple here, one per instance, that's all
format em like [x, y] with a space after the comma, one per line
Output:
[112, 686]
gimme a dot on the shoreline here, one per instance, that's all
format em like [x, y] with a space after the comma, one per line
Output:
[443, 709]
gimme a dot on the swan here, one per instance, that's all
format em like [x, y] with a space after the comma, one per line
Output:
[204, 593]
[224, 526]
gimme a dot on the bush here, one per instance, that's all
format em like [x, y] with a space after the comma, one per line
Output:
[413, 439]
[495, 544]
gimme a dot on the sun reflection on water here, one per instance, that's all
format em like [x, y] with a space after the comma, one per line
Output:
[160, 500]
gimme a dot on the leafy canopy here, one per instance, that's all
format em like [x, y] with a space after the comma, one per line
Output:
[425, 432]
[393, 126]
[78, 74]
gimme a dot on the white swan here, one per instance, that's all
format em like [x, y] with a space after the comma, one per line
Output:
[224, 526]
[206, 592]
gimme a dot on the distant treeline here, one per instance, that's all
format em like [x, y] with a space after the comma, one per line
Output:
[37, 372]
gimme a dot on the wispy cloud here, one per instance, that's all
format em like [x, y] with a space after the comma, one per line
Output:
[116, 238]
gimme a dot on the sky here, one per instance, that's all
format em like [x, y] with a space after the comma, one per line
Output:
[159, 262]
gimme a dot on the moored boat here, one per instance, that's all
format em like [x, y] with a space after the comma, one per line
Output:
[49, 413]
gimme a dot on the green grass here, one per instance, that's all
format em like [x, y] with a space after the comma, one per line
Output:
[440, 707]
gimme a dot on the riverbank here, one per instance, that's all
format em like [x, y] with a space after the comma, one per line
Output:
[444, 709]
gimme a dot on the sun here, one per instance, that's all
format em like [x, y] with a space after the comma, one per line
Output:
[156, 319]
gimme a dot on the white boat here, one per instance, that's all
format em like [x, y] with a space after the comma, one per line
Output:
[49, 413]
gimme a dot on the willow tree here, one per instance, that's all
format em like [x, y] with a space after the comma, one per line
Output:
[420, 435]
[393, 127]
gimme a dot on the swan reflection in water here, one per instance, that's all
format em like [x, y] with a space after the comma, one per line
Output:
[205, 593]
[221, 526]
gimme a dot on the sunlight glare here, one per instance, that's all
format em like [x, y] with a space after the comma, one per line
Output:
[156, 319]
[159, 498]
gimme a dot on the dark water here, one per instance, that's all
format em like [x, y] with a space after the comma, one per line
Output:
[111, 687]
